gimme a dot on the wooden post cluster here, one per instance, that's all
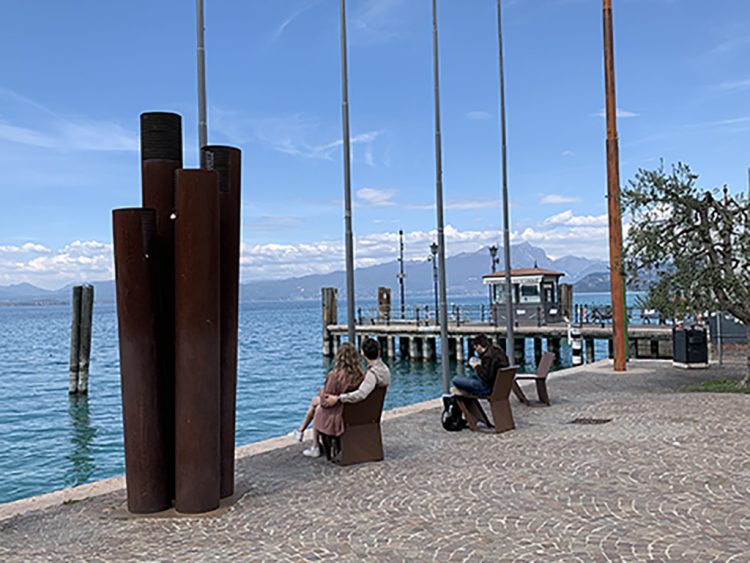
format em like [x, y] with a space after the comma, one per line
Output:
[177, 278]
[80, 338]
[330, 317]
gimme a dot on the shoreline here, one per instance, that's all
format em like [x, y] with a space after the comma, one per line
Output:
[86, 491]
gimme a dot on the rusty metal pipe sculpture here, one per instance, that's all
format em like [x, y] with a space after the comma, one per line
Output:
[148, 470]
[227, 161]
[161, 156]
[197, 342]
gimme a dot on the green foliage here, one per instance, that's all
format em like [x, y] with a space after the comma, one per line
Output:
[696, 241]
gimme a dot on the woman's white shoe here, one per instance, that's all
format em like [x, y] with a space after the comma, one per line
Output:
[313, 451]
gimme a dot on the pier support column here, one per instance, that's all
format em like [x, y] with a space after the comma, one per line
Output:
[428, 349]
[403, 346]
[553, 345]
[336, 343]
[654, 348]
[576, 345]
[460, 349]
[383, 342]
[414, 352]
[537, 351]
[610, 349]
[589, 344]
[519, 351]
[391, 352]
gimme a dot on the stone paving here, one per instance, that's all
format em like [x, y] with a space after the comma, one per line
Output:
[667, 479]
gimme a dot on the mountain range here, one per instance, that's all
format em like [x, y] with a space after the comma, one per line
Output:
[464, 278]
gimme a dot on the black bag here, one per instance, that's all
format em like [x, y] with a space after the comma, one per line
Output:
[452, 418]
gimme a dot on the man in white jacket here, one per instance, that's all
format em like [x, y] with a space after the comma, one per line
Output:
[377, 374]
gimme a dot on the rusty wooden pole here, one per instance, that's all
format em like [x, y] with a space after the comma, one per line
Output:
[161, 156]
[227, 162]
[197, 342]
[613, 196]
[147, 455]
[75, 338]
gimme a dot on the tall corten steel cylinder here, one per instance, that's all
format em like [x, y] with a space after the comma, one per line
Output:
[147, 467]
[161, 156]
[197, 342]
[227, 161]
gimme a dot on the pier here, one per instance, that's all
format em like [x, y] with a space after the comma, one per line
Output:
[416, 338]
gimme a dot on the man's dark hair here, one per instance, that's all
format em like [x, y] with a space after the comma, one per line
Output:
[483, 341]
[371, 349]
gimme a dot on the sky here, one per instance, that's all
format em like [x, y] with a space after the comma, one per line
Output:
[76, 75]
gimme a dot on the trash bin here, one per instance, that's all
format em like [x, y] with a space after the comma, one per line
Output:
[690, 346]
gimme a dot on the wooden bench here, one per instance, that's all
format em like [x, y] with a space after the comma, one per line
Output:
[362, 440]
[540, 377]
[502, 415]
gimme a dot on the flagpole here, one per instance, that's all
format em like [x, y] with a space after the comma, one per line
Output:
[202, 127]
[444, 347]
[509, 336]
[349, 243]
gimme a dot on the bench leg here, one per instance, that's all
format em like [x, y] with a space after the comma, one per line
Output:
[473, 412]
[541, 391]
[502, 415]
[518, 392]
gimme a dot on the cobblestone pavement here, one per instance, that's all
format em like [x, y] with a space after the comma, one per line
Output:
[668, 478]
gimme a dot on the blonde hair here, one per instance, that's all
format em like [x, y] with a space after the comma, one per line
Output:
[350, 362]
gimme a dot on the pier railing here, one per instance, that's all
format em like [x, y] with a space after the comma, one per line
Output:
[462, 314]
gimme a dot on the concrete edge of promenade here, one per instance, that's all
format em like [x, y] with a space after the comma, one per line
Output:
[89, 490]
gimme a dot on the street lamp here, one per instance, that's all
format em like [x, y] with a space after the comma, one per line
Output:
[494, 262]
[433, 258]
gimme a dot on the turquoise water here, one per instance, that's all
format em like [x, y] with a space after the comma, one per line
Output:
[49, 440]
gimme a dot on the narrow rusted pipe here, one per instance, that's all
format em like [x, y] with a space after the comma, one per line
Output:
[146, 449]
[227, 162]
[161, 156]
[197, 342]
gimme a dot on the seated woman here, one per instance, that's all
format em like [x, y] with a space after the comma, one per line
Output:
[345, 376]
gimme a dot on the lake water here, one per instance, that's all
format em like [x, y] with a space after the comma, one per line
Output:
[50, 440]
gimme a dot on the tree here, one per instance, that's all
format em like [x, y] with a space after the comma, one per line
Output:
[696, 241]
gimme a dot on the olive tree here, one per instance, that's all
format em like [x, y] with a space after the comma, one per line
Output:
[697, 242]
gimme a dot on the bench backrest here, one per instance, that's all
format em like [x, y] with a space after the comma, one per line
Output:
[367, 411]
[545, 364]
[503, 383]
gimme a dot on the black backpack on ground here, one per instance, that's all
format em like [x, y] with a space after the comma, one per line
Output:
[452, 418]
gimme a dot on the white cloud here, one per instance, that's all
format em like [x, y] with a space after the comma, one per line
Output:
[735, 86]
[37, 126]
[558, 235]
[479, 115]
[29, 247]
[374, 197]
[568, 219]
[460, 204]
[621, 113]
[568, 153]
[554, 199]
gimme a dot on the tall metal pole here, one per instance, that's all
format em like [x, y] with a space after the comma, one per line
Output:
[347, 183]
[444, 351]
[202, 128]
[509, 338]
[401, 275]
[613, 196]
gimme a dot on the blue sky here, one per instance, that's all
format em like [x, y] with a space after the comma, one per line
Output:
[76, 75]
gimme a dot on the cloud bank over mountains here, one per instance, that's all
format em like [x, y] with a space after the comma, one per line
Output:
[562, 234]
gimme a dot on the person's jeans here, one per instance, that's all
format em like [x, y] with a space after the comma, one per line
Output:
[472, 384]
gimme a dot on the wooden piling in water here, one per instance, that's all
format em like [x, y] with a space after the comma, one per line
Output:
[75, 339]
[330, 317]
[537, 351]
[84, 342]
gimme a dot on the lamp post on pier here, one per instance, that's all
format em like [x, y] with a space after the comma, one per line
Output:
[493, 264]
[401, 275]
[433, 259]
